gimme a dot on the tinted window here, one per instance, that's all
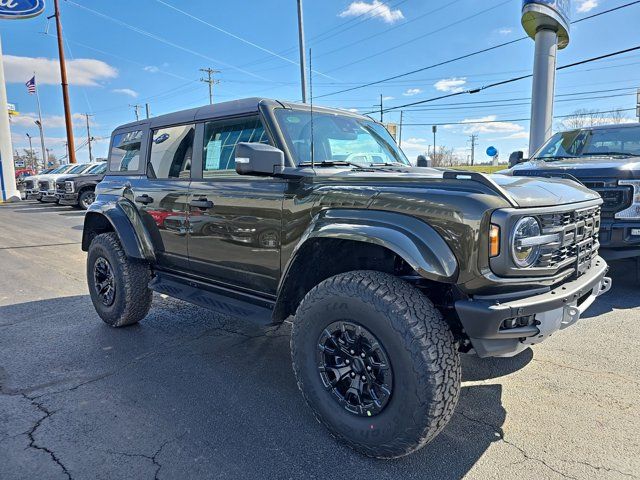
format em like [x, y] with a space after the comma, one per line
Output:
[221, 138]
[125, 152]
[98, 169]
[171, 152]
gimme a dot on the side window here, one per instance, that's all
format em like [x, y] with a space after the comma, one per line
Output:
[125, 152]
[221, 138]
[171, 152]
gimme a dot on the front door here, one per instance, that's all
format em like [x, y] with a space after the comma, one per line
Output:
[161, 195]
[235, 220]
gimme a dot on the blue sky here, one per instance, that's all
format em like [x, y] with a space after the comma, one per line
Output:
[123, 52]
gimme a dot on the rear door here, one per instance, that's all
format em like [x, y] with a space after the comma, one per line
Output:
[235, 220]
[161, 192]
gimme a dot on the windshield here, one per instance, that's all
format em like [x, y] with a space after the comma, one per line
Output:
[98, 169]
[78, 169]
[338, 138]
[587, 142]
[58, 170]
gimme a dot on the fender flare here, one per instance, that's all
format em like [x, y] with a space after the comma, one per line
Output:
[124, 219]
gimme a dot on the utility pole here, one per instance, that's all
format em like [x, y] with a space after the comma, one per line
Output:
[89, 138]
[400, 129]
[434, 129]
[147, 109]
[210, 80]
[65, 87]
[474, 138]
[381, 112]
[136, 109]
[303, 71]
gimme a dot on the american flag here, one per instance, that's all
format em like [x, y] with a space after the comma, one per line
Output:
[31, 85]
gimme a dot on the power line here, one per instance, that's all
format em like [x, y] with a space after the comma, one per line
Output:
[510, 80]
[468, 55]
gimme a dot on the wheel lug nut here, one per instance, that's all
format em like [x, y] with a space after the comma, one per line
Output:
[351, 352]
[362, 355]
[363, 378]
[353, 375]
[369, 368]
[347, 361]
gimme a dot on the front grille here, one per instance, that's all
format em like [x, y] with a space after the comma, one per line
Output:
[29, 184]
[578, 239]
[60, 187]
[44, 185]
[616, 197]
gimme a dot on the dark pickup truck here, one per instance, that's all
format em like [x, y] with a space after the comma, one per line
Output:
[270, 210]
[605, 159]
[79, 190]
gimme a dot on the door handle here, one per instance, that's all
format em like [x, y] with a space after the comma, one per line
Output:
[201, 203]
[144, 199]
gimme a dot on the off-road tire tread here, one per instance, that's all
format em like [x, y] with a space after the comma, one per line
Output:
[136, 275]
[424, 333]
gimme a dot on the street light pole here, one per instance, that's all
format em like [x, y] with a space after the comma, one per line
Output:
[65, 87]
[303, 71]
[31, 155]
[44, 158]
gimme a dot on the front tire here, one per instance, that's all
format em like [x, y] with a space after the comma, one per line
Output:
[118, 285]
[86, 198]
[355, 323]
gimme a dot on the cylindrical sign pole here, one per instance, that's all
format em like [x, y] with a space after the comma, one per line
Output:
[9, 192]
[547, 22]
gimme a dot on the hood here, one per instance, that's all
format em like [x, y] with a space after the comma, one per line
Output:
[525, 191]
[586, 167]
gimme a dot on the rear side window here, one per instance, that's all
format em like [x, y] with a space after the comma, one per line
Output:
[171, 152]
[125, 152]
[221, 138]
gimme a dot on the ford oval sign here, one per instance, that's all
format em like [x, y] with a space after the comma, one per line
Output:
[492, 151]
[18, 9]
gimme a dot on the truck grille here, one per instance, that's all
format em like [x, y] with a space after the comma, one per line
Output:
[44, 185]
[615, 197]
[578, 239]
[29, 184]
[60, 187]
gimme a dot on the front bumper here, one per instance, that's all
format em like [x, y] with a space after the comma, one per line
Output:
[619, 239]
[483, 319]
[49, 197]
[33, 195]
[68, 198]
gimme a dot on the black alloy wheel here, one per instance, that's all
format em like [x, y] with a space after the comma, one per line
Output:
[355, 368]
[104, 282]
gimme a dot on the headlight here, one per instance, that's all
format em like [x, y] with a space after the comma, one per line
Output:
[633, 212]
[525, 245]
[68, 186]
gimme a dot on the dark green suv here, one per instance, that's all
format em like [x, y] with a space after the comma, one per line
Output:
[268, 210]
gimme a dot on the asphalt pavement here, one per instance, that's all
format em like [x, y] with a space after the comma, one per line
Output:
[189, 393]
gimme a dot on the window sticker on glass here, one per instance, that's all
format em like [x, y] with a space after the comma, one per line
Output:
[214, 150]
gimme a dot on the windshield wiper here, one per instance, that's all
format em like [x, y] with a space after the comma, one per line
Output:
[555, 157]
[608, 154]
[334, 163]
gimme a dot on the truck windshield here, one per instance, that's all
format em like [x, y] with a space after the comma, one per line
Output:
[98, 169]
[338, 139]
[592, 142]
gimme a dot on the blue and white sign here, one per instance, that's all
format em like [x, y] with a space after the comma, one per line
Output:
[492, 151]
[547, 13]
[561, 7]
[19, 9]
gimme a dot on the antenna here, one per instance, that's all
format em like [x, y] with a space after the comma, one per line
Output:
[311, 98]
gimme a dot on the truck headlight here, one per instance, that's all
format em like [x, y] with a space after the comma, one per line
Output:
[633, 212]
[68, 186]
[525, 243]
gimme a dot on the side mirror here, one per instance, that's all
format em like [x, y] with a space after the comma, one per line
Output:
[515, 158]
[258, 159]
[422, 161]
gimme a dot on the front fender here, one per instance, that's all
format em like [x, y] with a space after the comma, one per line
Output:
[413, 240]
[122, 217]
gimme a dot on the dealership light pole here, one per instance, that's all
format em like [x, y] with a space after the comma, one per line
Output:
[547, 22]
[303, 70]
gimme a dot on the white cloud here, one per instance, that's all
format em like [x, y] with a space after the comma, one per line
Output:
[374, 9]
[126, 91]
[85, 72]
[386, 99]
[490, 124]
[151, 69]
[451, 85]
[585, 6]
[51, 121]
[412, 91]
[505, 31]
[412, 147]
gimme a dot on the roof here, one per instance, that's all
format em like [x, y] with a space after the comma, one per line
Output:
[233, 107]
[610, 125]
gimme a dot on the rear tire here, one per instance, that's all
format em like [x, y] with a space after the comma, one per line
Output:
[405, 329]
[118, 285]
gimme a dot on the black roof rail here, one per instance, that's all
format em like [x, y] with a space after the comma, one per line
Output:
[480, 178]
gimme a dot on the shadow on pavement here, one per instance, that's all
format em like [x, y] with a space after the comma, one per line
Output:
[201, 394]
[625, 291]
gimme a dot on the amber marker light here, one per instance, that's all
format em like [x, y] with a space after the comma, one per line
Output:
[494, 241]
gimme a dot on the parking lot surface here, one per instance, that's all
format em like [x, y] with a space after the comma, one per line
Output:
[189, 393]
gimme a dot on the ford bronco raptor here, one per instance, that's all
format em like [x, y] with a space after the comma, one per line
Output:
[268, 210]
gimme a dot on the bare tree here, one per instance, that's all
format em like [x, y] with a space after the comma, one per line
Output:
[589, 118]
[443, 157]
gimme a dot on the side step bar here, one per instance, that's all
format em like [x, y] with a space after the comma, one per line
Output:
[219, 299]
